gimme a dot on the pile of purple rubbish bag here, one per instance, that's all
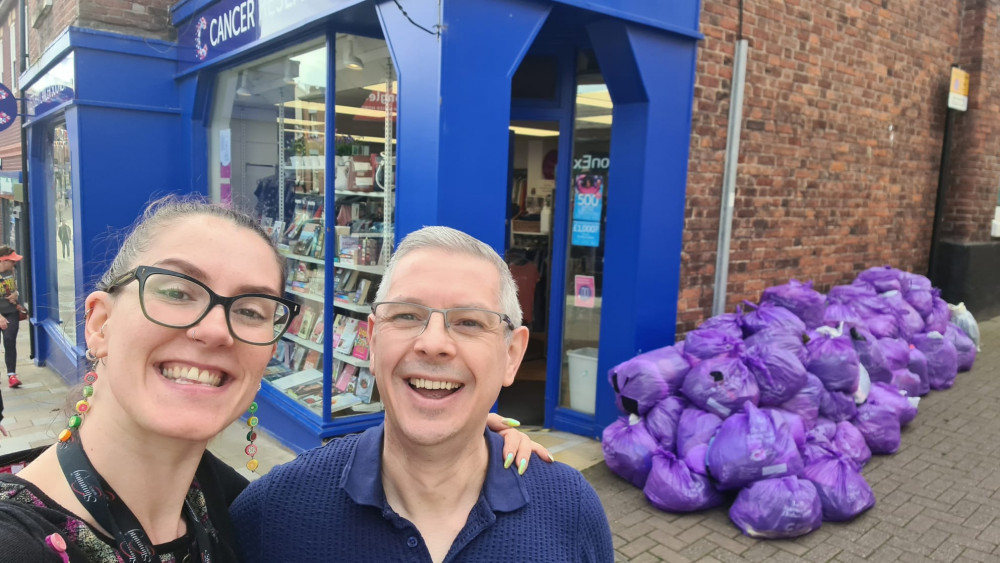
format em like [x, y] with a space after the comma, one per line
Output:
[777, 407]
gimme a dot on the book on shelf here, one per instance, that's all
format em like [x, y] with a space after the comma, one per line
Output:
[317, 332]
[344, 377]
[360, 350]
[305, 243]
[298, 357]
[351, 282]
[343, 401]
[361, 294]
[306, 326]
[312, 360]
[305, 389]
[348, 336]
[287, 381]
[296, 324]
[338, 328]
[317, 282]
[365, 385]
[275, 370]
[350, 249]
[320, 241]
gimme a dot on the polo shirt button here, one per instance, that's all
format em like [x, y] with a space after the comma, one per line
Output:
[412, 541]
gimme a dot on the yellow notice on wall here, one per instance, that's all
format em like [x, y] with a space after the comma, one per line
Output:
[958, 91]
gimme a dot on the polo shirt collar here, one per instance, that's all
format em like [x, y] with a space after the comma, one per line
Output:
[504, 490]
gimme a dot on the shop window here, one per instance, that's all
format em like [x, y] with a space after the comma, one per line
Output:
[588, 195]
[60, 181]
[271, 151]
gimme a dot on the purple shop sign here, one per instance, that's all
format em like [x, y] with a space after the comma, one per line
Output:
[231, 24]
[8, 107]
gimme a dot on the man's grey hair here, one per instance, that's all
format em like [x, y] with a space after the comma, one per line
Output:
[451, 240]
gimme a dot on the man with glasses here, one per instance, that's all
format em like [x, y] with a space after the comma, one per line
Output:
[429, 484]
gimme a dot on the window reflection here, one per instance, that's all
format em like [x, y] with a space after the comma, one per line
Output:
[62, 196]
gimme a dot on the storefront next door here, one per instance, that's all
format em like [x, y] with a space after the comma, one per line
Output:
[555, 243]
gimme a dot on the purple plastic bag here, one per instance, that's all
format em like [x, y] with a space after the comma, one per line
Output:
[662, 419]
[825, 428]
[837, 313]
[870, 355]
[847, 294]
[806, 402]
[628, 449]
[780, 339]
[648, 378]
[799, 298]
[778, 372]
[770, 316]
[895, 352]
[911, 322]
[879, 424]
[749, 446]
[937, 320]
[918, 365]
[817, 447]
[882, 326]
[906, 380]
[728, 323]
[708, 343]
[922, 301]
[888, 395]
[695, 430]
[834, 361]
[721, 385]
[965, 348]
[837, 406]
[942, 359]
[849, 441]
[843, 492]
[910, 281]
[786, 507]
[675, 488]
[881, 278]
[792, 421]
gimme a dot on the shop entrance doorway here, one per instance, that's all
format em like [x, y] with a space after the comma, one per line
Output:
[531, 193]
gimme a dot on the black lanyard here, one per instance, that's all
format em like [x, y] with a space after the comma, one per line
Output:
[110, 512]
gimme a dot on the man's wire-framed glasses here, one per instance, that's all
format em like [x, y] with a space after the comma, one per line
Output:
[176, 300]
[411, 319]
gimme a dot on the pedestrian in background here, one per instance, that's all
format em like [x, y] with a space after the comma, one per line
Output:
[64, 236]
[10, 310]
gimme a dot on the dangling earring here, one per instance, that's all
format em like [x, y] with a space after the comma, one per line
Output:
[83, 405]
[251, 449]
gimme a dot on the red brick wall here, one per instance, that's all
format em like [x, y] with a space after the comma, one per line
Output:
[843, 125]
[974, 177]
[42, 32]
[142, 18]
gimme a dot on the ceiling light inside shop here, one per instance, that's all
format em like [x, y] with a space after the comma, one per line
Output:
[351, 60]
[348, 110]
[533, 132]
[602, 119]
[241, 85]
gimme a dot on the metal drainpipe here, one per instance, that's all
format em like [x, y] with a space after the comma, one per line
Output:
[729, 177]
[22, 17]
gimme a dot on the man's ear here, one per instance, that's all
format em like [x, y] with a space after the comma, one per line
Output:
[515, 353]
[371, 344]
[96, 322]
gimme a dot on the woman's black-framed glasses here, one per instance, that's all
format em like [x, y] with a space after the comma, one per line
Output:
[176, 300]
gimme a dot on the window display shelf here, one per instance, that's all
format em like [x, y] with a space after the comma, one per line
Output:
[305, 295]
[303, 258]
[367, 269]
[362, 194]
[366, 309]
[304, 343]
[351, 360]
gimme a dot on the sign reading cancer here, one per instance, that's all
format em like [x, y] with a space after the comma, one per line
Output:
[230, 24]
[8, 107]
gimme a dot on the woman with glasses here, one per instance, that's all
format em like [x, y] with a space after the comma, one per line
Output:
[179, 331]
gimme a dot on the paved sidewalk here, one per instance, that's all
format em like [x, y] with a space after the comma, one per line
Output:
[937, 498]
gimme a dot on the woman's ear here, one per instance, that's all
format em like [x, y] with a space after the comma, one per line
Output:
[98, 313]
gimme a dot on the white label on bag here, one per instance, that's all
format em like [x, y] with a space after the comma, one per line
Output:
[722, 409]
[774, 469]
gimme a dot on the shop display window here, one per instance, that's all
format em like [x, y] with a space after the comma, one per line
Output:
[325, 197]
[588, 193]
[62, 227]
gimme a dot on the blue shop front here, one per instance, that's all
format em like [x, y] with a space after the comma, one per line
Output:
[556, 131]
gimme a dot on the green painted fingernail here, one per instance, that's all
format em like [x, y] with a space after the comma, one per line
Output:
[512, 422]
[508, 461]
[522, 466]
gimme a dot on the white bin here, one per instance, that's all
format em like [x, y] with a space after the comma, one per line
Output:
[582, 379]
